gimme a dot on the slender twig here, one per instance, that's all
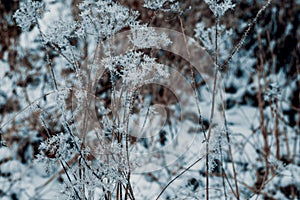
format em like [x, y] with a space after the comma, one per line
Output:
[254, 190]
[246, 33]
[71, 161]
[193, 79]
[212, 107]
[297, 132]
[223, 171]
[229, 147]
[176, 177]
[69, 178]
[228, 182]
[25, 108]
[276, 129]
[261, 104]
[49, 63]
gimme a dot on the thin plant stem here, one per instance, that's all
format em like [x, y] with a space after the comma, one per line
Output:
[222, 171]
[212, 107]
[263, 127]
[49, 63]
[229, 148]
[180, 174]
[246, 33]
[69, 178]
[193, 79]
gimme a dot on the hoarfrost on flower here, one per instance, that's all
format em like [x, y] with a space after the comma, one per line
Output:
[146, 37]
[28, 13]
[219, 7]
[207, 37]
[136, 68]
[62, 146]
[160, 5]
[60, 32]
[104, 18]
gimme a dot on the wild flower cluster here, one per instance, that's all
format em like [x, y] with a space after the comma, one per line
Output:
[143, 36]
[28, 14]
[219, 7]
[104, 163]
[60, 33]
[207, 37]
[136, 69]
[104, 18]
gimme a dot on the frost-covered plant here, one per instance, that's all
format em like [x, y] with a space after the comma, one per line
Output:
[60, 33]
[136, 68]
[217, 144]
[207, 37]
[96, 162]
[28, 13]
[103, 18]
[160, 5]
[109, 167]
[219, 7]
[143, 36]
[217, 41]
[60, 146]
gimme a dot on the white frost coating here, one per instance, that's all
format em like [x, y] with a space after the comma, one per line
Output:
[103, 18]
[146, 37]
[28, 13]
[159, 5]
[136, 67]
[207, 36]
[60, 31]
[219, 8]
